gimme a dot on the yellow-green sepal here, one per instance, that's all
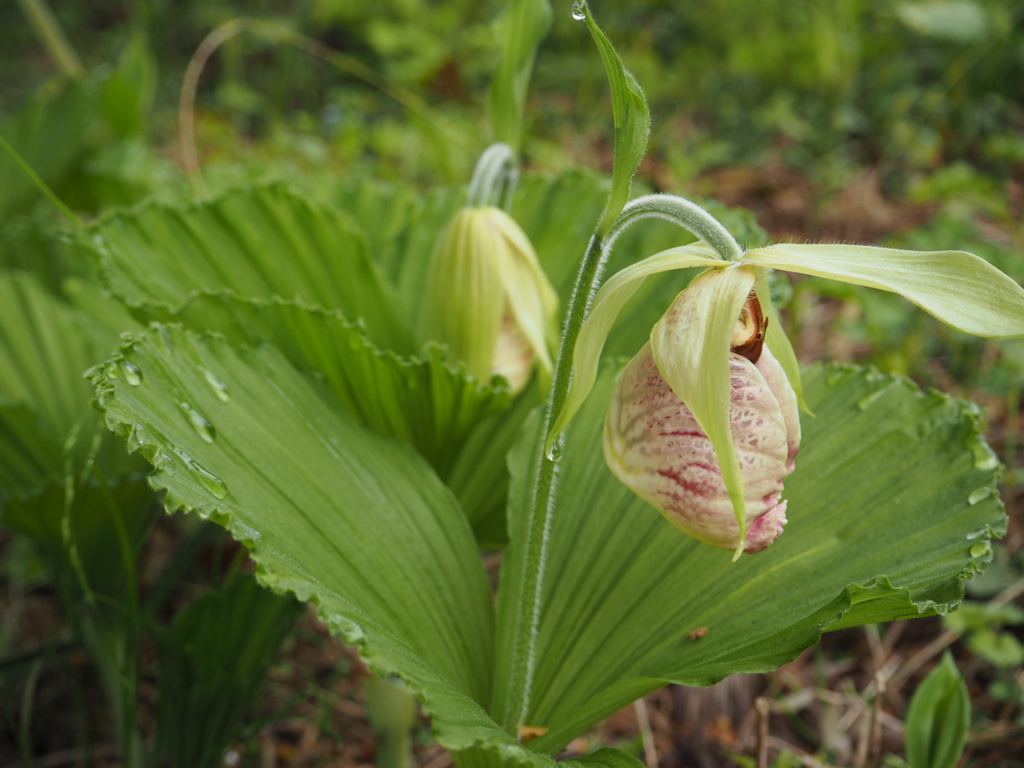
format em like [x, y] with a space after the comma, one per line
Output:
[691, 345]
[957, 287]
[465, 296]
[608, 302]
[531, 298]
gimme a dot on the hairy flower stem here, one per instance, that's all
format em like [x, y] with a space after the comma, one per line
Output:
[686, 214]
[526, 621]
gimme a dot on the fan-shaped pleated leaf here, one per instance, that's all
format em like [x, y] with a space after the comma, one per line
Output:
[892, 504]
[260, 242]
[355, 522]
[422, 400]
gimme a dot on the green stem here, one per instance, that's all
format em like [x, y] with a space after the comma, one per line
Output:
[526, 621]
[42, 185]
[46, 26]
[495, 177]
[681, 211]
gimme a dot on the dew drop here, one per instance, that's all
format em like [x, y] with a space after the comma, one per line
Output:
[132, 373]
[208, 480]
[577, 10]
[554, 452]
[985, 458]
[978, 495]
[981, 549]
[220, 389]
[200, 423]
[835, 377]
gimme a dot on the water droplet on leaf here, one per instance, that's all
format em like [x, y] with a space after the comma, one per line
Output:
[220, 389]
[978, 495]
[981, 549]
[577, 10]
[132, 373]
[985, 458]
[200, 423]
[209, 481]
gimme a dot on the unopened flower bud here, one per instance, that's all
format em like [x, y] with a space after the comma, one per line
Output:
[488, 299]
[655, 446]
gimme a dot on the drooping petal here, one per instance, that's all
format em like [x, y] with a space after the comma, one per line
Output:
[690, 345]
[530, 295]
[608, 302]
[959, 288]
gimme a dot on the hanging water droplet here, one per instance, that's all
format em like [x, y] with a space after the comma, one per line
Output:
[200, 423]
[208, 480]
[220, 389]
[554, 452]
[978, 495]
[578, 12]
[132, 373]
[981, 549]
[985, 458]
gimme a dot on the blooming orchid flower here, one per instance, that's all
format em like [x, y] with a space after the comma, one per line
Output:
[689, 378]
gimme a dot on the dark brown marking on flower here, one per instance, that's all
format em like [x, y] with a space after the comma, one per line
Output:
[754, 318]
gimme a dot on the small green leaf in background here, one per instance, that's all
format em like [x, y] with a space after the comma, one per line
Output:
[937, 721]
[129, 91]
[953, 21]
[631, 115]
[982, 625]
[520, 29]
[53, 133]
[391, 710]
[53, 449]
[212, 664]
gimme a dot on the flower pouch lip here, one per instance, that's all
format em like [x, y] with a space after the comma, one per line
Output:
[656, 447]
